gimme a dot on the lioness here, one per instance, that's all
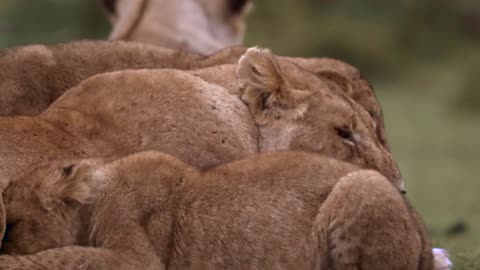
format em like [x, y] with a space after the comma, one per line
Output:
[200, 26]
[32, 77]
[54, 69]
[281, 210]
[199, 122]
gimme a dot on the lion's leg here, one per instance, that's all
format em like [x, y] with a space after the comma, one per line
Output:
[73, 258]
[134, 251]
[427, 261]
[366, 224]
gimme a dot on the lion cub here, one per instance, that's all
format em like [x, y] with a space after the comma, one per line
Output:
[281, 210]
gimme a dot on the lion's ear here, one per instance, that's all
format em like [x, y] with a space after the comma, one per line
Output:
[261, 79]
[78, 183]
[266, 89]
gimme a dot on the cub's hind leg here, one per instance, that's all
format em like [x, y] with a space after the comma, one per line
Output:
[365, 223]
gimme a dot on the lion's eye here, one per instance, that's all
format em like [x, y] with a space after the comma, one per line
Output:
[67, 170]
[344, 133]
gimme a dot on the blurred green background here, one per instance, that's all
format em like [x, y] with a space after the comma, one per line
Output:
[422, 55]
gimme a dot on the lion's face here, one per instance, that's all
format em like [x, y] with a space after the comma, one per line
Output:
[43, 209]
[349, 79]
[201, 26]
[295, 109]
[338, 127]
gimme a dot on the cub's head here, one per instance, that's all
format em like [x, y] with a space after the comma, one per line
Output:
[295, 109]
[43, 208]
[349, 79]
[362, 92]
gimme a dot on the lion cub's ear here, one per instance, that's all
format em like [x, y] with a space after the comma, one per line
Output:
[265, 88]
[76, 184]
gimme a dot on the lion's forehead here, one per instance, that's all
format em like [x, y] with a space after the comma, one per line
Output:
[331, 104]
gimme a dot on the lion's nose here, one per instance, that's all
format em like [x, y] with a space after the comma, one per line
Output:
[402, 188]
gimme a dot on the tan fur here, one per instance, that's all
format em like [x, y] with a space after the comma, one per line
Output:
[338, 74]
[349, 79]
[128, 111]
[29, 93]
[102, 115]
[282, 210]
[54, 69]
[282, 97]
[198, 122]
[32, 77]
[131, 111]
[200, 26]
[124, 15]
[160, 111]
[362, 92]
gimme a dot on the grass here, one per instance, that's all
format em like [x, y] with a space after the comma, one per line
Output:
[437, 149]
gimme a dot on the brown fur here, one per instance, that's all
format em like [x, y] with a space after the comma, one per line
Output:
[54, 69]
[282, 210]
[160, 110]
[200, 26]
[34, 76]
[352, 83]
[362, 92]
[128, 111]
[338, 74]
[103, 117]
[281, 98]
[206, 126]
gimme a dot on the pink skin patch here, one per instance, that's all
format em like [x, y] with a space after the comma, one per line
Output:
[442, 262]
